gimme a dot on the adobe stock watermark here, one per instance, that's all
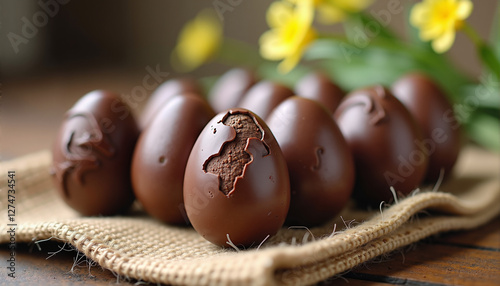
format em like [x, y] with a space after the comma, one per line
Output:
[139, 93]
[488, 89]
[454, 117]
[223, 6]
[364, 34]
[48, 9]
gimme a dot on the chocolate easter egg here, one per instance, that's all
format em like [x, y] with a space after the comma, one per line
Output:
[382, 136]
[161, 155]
[92, 155]
[429, 105]
[236, 185]
[320, 164]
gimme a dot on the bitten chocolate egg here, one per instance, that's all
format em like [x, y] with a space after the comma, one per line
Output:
[236, 185]
[319, 87]
[320, 164]
[161, 155]
[92, 155]
[264, 96]
[230, 88]
[382, 136]
[164, 93]
[429, 105]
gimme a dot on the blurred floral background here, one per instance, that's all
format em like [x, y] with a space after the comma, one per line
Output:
[54, 51]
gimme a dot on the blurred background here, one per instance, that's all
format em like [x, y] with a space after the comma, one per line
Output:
[54, 51]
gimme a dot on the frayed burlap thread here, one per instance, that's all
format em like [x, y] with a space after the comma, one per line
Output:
[139, 247]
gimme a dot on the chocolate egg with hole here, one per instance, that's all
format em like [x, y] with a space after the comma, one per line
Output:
[382, 136]
[164, 93]
[320, 164]
[264, 96]
[230, 88]
[92, 155]
[319, 87]
[429, 105]
[161, 155]
[236, 185]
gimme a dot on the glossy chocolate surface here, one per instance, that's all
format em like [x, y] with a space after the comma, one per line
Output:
[164, 93]
[257, 201]
[319, 87]
[382, 136]
[92, 155]
[161, 156]
[429, 105]
[320, 164]
[230, 88]
[264, 96]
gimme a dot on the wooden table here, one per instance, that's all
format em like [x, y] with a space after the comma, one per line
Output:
[31, 113]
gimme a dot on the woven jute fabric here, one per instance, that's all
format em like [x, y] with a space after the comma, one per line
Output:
[137, 246]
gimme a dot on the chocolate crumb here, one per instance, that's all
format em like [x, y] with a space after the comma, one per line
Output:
[230, 162]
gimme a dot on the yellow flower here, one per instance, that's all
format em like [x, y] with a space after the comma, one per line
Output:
[438, 20]
[290, 32]
[198, 41]
[334, 11]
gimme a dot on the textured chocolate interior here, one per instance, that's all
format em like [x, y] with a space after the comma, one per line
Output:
[232, 159]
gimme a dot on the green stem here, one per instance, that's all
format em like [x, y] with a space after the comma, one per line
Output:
[485, 53]
[472, 34]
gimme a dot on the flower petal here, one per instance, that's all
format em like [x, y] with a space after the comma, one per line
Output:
[418, 14]
[292, 60]
[290, 32]
[443, 43]
[429, 32]
[198, 41]
[330, 14]
[353, 6]
[464, 9]
[278, 14]
[271, 46]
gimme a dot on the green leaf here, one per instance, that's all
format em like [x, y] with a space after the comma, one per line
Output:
[495, 32]
[489, 59]
[326, 49]
[486, 93]
[485, 130]
[382, 61]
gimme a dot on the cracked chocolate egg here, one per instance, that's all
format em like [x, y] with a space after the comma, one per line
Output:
[236, 185]
[429, 105]
[161, 155]
[383, 138]
[92, 155]
[319, 161]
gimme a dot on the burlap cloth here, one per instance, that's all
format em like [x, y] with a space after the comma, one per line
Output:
[142, 248]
